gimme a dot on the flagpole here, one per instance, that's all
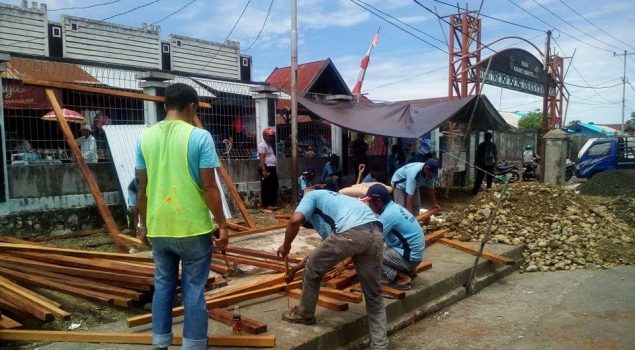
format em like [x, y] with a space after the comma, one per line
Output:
[294, 101]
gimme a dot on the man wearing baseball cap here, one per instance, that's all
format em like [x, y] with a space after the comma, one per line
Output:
[407, 180]
[403, 237]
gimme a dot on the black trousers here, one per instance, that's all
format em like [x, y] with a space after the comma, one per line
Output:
[479, 177]
[269, 188]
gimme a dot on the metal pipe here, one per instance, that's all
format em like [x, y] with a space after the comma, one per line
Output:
[294, 98]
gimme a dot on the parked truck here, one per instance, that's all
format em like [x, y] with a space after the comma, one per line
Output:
[599, 154]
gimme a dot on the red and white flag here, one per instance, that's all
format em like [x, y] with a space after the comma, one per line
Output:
[364, 65]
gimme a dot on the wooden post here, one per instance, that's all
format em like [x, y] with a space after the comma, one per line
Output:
[111, 226]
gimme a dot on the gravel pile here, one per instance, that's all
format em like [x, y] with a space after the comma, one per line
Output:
[617, 182]
[560, 229]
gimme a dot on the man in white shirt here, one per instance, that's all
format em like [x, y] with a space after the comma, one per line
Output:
[88, 145]
[267, 168]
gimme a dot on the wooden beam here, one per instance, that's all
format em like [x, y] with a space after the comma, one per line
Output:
[44, 301]
[237, 227]
[352, 297]
[233, 192]
[262, 282]
[20, 302]
[8, 323]
[252, 341]
[424, 265]
[74, 252]
[111, 277]
[102, 207]
[219, 302]
[283, 217]
[133, 241]
[435, 236]
[474, 251]
[103, 91]
[255, 262]
[323, 301]
[258, 230]
[14, 310]
[423, 217]
[219, 268]
[393, 292]
[261, 254]
[94, 264]
[248, 325]
[344, 280]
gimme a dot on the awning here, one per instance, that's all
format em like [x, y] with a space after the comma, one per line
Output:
[406, 119]
[30, 69]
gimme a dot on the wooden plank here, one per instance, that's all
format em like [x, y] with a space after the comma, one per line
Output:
[223, 301]
[74, 252]
[132, 281]
[253, 341]
[435, 236]
[103, 91]
[344, 280]
[76, 281]
[219, 268]
[236, 197]
[262, 282]
[237, 227]
[393, 292]
[248, 325]
[260, 254]
[8, 323]
[14, 310]
[102, 207]
[57, 286]
[94, 264]
[133, 241]
[34, 309]
[424, 265]
[352, 297]
[474, 251]
[283, 216]
[255, 262]
[258, 230]
[323, 301]
[35, 299]
[41, 300]
[427, 215]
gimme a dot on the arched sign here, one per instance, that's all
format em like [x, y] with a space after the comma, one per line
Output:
[514, 69]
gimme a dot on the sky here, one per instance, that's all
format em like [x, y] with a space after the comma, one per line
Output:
[403, 66]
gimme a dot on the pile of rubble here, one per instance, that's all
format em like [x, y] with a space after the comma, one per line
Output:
[560, 230]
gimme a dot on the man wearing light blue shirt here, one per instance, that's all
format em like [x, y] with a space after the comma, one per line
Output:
[348, 229]
[407, 180]
[402, 234]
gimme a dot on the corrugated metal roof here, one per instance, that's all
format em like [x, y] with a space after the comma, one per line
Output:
[122, 142]
[307, 74]
[25, 68]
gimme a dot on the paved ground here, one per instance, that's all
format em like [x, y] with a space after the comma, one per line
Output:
[578, 309]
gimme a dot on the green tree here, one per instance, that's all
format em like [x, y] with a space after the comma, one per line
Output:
[531, 121]
[572, 123]
[632, 120]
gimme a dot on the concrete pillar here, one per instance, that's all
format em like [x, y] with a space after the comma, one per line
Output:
[336, 134]
[153, 83]
[265, 100]
[555, 156]
[4, 187]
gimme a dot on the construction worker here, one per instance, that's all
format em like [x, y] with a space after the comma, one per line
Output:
[268, 174]
[403, 237]
[176, 191]
[305, 181]
[331, 173]
[349, 229]
[407, 180]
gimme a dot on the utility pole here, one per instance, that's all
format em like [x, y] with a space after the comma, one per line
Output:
[545, 103]
[294, 99]
[623, 84]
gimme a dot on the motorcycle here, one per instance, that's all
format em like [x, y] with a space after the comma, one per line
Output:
[503, 168]
[569, 169]
[531, 172]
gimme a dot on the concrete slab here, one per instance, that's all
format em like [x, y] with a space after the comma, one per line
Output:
[432, 290]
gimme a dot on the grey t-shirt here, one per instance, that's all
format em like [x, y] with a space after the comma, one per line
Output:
[267, 150]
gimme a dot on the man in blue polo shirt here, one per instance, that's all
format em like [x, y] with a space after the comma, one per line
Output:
[403, 237]
[348, 229]
[407, 180]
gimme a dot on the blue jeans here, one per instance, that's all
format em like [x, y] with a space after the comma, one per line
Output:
[195, 255]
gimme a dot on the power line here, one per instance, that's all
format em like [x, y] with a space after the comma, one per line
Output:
[591, 23]
[399, 27]
[227, 36]
[559, 30]
[574, 27]
[261, 28]
[131, 10]
[594, 87]
[174, 12]
[492, 17]
[84, 7]
[402, 22]
[408, 78]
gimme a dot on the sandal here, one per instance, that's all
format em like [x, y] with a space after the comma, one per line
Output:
[293, 316]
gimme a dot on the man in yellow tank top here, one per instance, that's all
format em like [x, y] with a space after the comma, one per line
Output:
[176, 191]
